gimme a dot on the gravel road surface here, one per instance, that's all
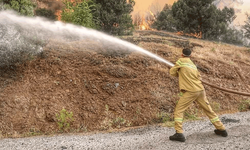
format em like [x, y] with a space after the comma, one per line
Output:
[199, 136]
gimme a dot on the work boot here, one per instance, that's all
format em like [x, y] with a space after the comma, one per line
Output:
[177, 137]
[221, 132]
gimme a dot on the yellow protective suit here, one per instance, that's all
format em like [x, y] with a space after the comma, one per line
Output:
[193, 90]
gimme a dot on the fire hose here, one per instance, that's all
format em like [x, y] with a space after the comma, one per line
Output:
[220, 88]
[226, 90]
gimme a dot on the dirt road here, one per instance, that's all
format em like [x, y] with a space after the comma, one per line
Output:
[199, 136]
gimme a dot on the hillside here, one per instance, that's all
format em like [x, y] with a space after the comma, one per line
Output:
[114, 89]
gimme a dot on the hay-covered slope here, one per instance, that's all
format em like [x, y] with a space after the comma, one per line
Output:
[114, 89]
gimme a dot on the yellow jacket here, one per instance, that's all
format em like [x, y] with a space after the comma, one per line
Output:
[189, 76]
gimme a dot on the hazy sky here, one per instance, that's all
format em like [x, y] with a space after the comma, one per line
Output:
[241, 17]
[143, 5]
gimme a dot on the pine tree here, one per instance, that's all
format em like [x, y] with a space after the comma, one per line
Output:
[195, 16]
[114, 16]
[165, 20]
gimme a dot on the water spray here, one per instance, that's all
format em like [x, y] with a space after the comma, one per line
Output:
[19, 34]
[33, 33]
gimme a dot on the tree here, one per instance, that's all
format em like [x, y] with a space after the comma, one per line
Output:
[24, 7]
[114, 16]
[78, 13]
[165, 20]
[233, 36]
[217, 23]
[201, 16]
[246, 27]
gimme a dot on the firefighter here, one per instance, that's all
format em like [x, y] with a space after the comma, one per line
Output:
[191, 87]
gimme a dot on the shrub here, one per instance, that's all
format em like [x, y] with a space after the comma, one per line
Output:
[215, 106]
[163, 117]
[64, 119]
[78, 13]
[244, 105]
[112, 122]
[24, 7]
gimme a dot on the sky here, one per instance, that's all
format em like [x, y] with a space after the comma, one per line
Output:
[143, 5]
[241, 17]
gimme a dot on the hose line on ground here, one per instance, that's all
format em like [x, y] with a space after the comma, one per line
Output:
[226, 90]
[220, 88]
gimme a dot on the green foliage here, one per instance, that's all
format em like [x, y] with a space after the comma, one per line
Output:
[114, 16]
[191, 114]
[45, 13]
[119, 122]
[180, 94]
[111, 122]
[233, 36]
[165, 20]
[32, 132]
[64, 119]
[78, 13]
[169, 124]
[244, 105]
[24, 7]
[246, 27]
[163, 117]
[215, 106]
[201, 16]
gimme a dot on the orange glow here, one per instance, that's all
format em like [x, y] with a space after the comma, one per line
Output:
[58, 13]
[152, 14]
[142, 27]
[143, 24]
[197, 35]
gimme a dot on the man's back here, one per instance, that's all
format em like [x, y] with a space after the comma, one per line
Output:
[189, 76]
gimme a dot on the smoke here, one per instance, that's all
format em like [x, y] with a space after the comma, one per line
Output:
[230, 4]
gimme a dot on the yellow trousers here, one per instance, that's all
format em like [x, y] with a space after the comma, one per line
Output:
[186, 100]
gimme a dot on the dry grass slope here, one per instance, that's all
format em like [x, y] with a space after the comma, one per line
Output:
[86, 78]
